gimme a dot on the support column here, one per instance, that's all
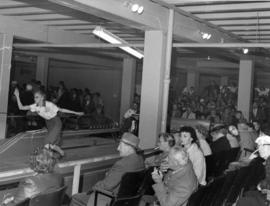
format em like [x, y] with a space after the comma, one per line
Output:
[224, 80]
[128, 84]
[42, 70]
[245, 84]
[6, 41]
[152, 88]
[192, 79]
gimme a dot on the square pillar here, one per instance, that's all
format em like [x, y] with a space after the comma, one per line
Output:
[245, 85]
[128, 84]
[42, 70]
[6, 41]
[152, 88]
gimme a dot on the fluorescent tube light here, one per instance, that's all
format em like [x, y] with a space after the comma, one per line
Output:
[113, 39]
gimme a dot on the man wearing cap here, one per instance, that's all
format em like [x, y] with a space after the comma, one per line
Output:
[130, 161]
[220, 142]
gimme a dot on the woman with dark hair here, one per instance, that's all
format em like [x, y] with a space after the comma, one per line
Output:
[233, 136]
[42, 162]
[189, 142]
[48, 111]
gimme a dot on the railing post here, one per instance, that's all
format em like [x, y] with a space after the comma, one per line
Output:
[76, 179]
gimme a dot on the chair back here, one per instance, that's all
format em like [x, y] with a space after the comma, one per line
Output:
[131, 183]
[23, 203]
[237, 186]
[52, 198]
[128, 201]
[131, 189]
[197, 198]
[223, 191]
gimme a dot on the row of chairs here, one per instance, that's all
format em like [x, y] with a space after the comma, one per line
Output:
[226, 189]
[51, 198]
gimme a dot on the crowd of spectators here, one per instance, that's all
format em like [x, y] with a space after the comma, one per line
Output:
[218, 104]
[73, 99]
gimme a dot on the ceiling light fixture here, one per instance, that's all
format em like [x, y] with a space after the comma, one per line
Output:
[134, 7]
[113, 39]
[140, 10]
[206, 35]
[245, 50]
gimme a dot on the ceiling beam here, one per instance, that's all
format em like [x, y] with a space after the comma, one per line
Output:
[90, 60]
[252, 14]
[250, 6]
[36, 32]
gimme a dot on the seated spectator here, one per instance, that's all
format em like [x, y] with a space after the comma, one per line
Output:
[178, 184]
[88, 104]
[213, 117]
[98, 100]
[257, 128]
[258, 113]
[189, 142]
[219, 140]
[202, 133]
[129, 162]
[75, 103]
[175, 111]
[44, 180]
[261, 196]
[165, 143]
[262, 91]
[233, 136]
[188, 114]
[226, 117]
[238, 118]
[131, 120]
[99, 118]
[247, 139]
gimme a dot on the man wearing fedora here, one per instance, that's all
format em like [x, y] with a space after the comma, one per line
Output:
[130, 161]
